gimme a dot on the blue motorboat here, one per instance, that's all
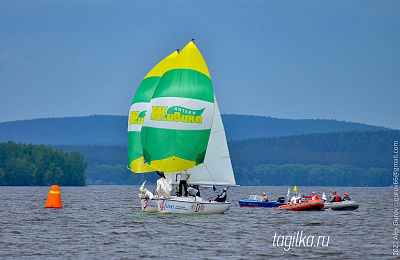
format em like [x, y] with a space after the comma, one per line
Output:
[255, 201]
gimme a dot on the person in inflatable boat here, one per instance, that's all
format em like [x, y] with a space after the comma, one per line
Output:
[346, 197]
[313, 196]
[338, 198]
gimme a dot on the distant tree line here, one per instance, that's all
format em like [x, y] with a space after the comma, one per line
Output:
[101, 174]
[28, 165]
[342, 159]
[312, 175]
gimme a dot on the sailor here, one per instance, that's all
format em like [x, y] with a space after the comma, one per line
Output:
[346, 197]
[313, 196]
[264, 197]
[197, 187]
[192, 191]
[183, 182]
[161, 174]
[222, 196]
[333, 197]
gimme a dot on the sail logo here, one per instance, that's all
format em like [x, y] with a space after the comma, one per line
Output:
[176, 114]
[137, 117]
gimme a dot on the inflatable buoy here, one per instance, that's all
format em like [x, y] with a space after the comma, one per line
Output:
[54, 198]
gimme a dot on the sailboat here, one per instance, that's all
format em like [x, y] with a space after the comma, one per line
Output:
[182, 130]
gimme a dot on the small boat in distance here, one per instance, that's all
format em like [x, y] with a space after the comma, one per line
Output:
[342, 205]
[255, 201]
[303, 206]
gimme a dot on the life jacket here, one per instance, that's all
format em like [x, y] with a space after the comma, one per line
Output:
[338, 198]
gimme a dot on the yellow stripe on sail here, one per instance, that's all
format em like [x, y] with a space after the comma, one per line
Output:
[190, 58]
[54, 192]
[162, 67]
[172, 164]
[139, 165]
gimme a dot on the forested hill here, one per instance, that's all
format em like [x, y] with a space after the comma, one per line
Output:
[327, 159]
[239, 127]
[361, 149]
[111, 130]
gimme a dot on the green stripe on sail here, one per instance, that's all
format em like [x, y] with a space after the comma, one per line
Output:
[146, 90]
[135, 146]
[135, 150]
[185, 83]
[163, 143]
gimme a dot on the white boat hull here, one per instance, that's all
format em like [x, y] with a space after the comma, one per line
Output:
[187, 206]
[149, 205]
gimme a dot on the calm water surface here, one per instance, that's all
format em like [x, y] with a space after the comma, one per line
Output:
[105, 222]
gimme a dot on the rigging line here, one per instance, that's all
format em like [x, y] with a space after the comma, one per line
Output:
[210, 175]
[218, 131]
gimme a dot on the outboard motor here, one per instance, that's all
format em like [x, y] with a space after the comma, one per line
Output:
[281, 200]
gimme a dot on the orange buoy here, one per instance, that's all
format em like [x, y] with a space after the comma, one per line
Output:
[54, 198]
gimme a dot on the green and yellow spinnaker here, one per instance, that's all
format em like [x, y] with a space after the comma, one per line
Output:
[177, 126]
[138, 112]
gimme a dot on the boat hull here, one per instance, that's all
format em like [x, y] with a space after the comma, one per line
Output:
[149, 205]
[177, 206]
[261, 204]
[304, 206]
[343, 205]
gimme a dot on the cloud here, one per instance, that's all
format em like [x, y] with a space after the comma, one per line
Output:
[4, 54]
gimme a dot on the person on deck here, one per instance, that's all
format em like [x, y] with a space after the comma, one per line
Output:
[333, 197]
[197, 187]
[222, 197]
[313, 196]
[161, 174]
[264, 197]
[346, 197]
[183, 182]
[192, 191]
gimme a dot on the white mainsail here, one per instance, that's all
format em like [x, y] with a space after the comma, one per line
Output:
[217, 166]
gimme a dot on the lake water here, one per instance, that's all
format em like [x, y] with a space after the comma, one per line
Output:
[105, 222]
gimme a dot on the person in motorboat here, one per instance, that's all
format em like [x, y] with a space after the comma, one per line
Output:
[313, 196]
[333, 197]
[338, 198]
[346, 197]
[303, 198]
[183, 182]
[222, 196]
[264, 197]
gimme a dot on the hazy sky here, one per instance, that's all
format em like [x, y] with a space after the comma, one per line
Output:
[287, 59]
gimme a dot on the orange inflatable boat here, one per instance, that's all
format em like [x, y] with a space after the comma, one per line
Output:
[302, 206]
